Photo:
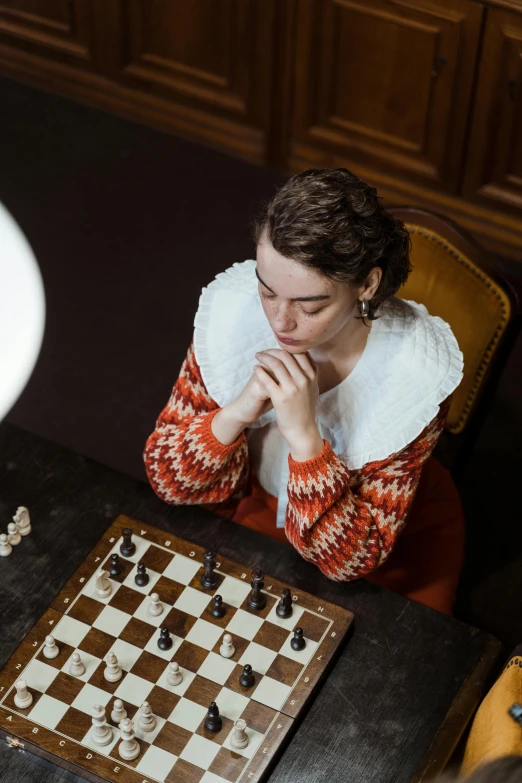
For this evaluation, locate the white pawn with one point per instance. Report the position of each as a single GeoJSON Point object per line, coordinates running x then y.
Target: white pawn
{"type": "Point", "coordinates": [77, 667]}
{"type": "Point", "coordinates": [22, 698]}
{"type": "Point", "coordinates": [102, 584]}
{"type": "Point", "coordinates": [13, 536]}
{"type": "Point", "coordinates": [119, 712]}
{"type": "Point", "coordinates": [22, 520]}
{"type": "Point", "coordinates": [5, 546]}
{"type": "Point", "coordinates": [50, 649]}
{"type": "Point", "coordinates": [174, 676]}
{"type": "Point", "coordinates": [227, 649]}
{"type": "Point", "coordinates": [101, 732]}
{"type": "Point", "coordinates": [112, 671]}
{"type": "Point", "coordinates": [128, 748]}
{"type": "Point", "coordinates": [146, 720]}
{"type": "Point", "coordinates": [155, 605]}
{"type": "Point", "coordinates": [239, 738]}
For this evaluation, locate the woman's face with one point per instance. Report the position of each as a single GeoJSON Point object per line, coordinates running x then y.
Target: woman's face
{"type": "Point", "coordinates": [301, 304]}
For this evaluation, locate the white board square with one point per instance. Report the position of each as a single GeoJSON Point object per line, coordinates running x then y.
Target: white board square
{"type": "Point", "coordinates": [90, 590]}
{"type": "Point", "coordinates": [71, 631]}
{"type": "Point", "coordinates": [134, 689]}
{"type": "Point", "coordinates": [156, 763]}
{"type": "Point", "coordinates": [187, 714]}
{"type": "Point", "coordinates": [289, 622]}
{"type": "Point", "coordinates": [209, 777]}
{"type": "Point", "coordinates": [167, 655]}
{"type": "Point", "coordinates": [142, 614]}
{"type": "Point", "coordinates": [216, 668]}
{"type": "Point", "coordinates": [127, 654]}
{"type": "Point", "coordinates": [233, 591]}
{"type": "Point", "coordinates": [271, 693]}
{"type": "Point", "coordinates": [148, 736]}
{"type": "Point", "coordinates": [111, 620]}
{"type": "Point", "coordinates": [260, 658]}
{"type": "Point", "coordinates": [254, 741]}
{"type": "Point", "coordinates": [48, 711]}
{"type": "Point", "coordinates": [302, 656]}
{"type": "Point", "coordinates": [89, 696]}
{"type": "Point", "coordinates": [103, 749]}
{"type": "Point", "coordinates": [204, 634]}
{"type": "Point", "coordinates": [182, 569]}
{"type": "Point", "coordinates": [180, 689]}
{"type": "Point", "coordinates": [231, 704]}
{"type": "Point", "coordinates": [39, 675]}
{"type": "Point", "coordinates": [244, 624]}
{"type": "Point", "coordinates": [200, 751]}
{"type": "Point", "coordinates": [145, 589]}
{"type": "Point", "coordinates": [192, 602]}
{"type": "Point", "coordinates": [91, 663]}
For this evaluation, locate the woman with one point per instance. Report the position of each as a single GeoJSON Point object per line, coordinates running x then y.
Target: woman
{"type": "Point", "coordinates": [321, 443]}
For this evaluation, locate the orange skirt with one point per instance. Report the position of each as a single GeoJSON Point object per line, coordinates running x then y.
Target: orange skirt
{"type": "Point", "coordinates": [427, 559]}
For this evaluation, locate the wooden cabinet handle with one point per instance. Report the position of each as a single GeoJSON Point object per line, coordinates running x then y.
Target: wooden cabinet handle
{"type": "Point", "coordinates": [440, 62]}
{"type": "Point", "coordinates": [511, 89]}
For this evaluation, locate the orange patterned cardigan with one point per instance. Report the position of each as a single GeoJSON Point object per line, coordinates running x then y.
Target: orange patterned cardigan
{"type": "Point", "coordinates": [344, 521]}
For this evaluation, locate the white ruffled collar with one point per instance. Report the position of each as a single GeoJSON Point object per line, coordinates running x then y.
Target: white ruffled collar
{"type": "Point", "coordinates": [410, 364]}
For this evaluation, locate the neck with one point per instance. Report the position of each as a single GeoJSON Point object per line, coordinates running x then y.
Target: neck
{"type": "Point", "coordinates": [349, 340]}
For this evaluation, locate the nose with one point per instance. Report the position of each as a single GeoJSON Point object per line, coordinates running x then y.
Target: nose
{"type": "Point", "coordinates": [283, 322]}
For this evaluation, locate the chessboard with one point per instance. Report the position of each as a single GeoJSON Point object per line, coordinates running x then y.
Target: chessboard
{"type": "Point", "coordinates": [58, 724]}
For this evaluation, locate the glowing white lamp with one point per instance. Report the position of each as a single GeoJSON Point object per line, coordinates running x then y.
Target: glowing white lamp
{"type": "Point", "coordinates": [22, 311]}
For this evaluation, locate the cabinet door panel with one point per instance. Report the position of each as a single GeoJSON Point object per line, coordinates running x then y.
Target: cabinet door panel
{"type": "Point", "coordinates": [56, 29]}
{"type": "Point", "coordinates": [494, 170]}
{"type": "Point", "coordinates": [386, 83]}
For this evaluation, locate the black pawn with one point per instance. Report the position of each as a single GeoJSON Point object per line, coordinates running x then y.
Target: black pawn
{"type": "Point", "coordinates": [128, 547]}
{"type": "Point", "coordinates": [116, 567]}
{"type": "Point", "coordinates": [142, 577]}
{"type": "Point", "coordinates": [218, 610]}
{"type": "Point", "coordinates": [298, 642]}
{"type": "Point", "coordinates": [213, 720]}
{"type": "Point", "coordinates": [247, 678]}
{"type": "Point", "coordinates": [284, 607]}
{"type": "Point", "coordinates": [209, 579]}
{"type": "Point", "coordinates": [164, 642]}
{"type": "Point", "coordinates": [257, 599]}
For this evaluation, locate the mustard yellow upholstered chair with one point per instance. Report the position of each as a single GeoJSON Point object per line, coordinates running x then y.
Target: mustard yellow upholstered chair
{"type": "Point", "coordinates": [457, 280]}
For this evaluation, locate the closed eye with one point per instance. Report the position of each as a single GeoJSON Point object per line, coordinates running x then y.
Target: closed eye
{"type": "Point", "coordinates": [305, 312]}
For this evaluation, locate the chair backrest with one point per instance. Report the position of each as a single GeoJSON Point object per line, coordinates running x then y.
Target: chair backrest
{"type": "Point", "coordinates": [456, 280]}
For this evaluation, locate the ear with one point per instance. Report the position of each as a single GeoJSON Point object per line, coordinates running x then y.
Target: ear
{"type": "Point", "coordinates": [372, 283]}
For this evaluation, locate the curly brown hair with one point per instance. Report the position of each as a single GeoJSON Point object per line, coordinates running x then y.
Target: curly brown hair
{"type": "Point", "coordinates": [331, 221]}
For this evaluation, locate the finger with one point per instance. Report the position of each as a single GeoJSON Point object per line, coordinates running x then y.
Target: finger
{"type": "Point", "coordinates": [307, 364]}
{"type": "Point", "coordinates": [277, 367]}
{"type": "Point", "coordinates": [268, 384]}
{"type": "Point", "coordinates": [287, 360]}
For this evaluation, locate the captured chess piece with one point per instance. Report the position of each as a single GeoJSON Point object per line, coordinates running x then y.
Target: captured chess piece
{"type": "Point", "coordinates": [102, 584]}
{"type": "Point", "coordinates": [239, 738]}
{"type": "Point", "coordinates": [284, 607]}
{"type": "Point", "coordinates": [247, 679]}
{"type": "Point", "coordinates": [13, 536]}
{"type": "Point", "coordinates": [127, 547]}
{"type": "Point", "coordinates": [218, 610]}
{"type": "Point", "coordinates": [174, 676]}
{"type": "Point", "coordinates": [22, 520]}
{"type": "Point", "coordinates": [77, 667]}
{"type": "Point", "coordinates": [142, 577]}
{"type": "Point", "coordinates": [297, 642]}
{"type": "Point", "coordinates": [227, 648]}
{"type": "Point", "coordinates": [164, 642]}
{"type": "Point", "coordinates": [146, 720]}
{"type": "Point", "coordinates": [101, 732]}
{"type": "Point", "coordinates": [112, 671]}
{"type": "Point", "coordinates": [257, 599]}
{"type": "Point", "coordinates": [155, 607]}
{"type": "Point", "coordinates": [116, 566]}
{"type": "Point", "coordinates": [129, 747]}
{"type": "Point", "coordinates": [213, 722]}
{"type": "Point", "coordinates": [119, 712]}
{"type": "Point", "coordinates": [5, 546]}
{"type": "Point", "coordinates": [22, 698]}
{"type": "Point", "coordinates": [50, 649]}
{"type": "Point", "coordinates": [209, 579]}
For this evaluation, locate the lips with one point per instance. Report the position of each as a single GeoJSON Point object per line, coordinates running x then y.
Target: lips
{"type": "Point", "coordinates": [287, 340]}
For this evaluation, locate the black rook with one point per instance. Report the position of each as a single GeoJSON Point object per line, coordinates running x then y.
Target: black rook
{"type": "Point", "coordinates": [128, 547]}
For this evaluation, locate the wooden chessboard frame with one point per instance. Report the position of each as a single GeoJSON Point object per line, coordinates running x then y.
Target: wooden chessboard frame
{"type": "Point", "coordinates": [20, 732]}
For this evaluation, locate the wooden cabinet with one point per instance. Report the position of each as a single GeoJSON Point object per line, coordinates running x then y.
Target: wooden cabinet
{"type": "Point", "coordinates": [387, 84]}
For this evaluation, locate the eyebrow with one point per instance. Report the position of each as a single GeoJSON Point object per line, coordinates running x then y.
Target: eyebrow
{"type": "Point", "coordinates": [318, 298]}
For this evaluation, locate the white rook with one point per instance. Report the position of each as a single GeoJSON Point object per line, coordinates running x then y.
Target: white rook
{"type": "Point", "coordinates": [22, 698]}
{"type": "Point", "coordinates": [239, 737]}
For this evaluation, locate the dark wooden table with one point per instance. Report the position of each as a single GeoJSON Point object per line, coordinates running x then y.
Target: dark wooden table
{"type": "Point", "coordinates": [392, 708]}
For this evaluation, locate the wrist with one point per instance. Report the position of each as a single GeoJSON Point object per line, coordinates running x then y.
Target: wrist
{"type": "Point", "coordinates": [225, 427]}
{"type": "Point", "coordinates": [307, 446]}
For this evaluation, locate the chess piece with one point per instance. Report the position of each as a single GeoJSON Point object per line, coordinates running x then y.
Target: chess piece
{"type": "Point", "coordinates": [77, 667]}
{"type": "Point", "coordinates": [142, 577]}
{"type": "Point", "coordinates": [239, 738]}
{"type": "Point", "coordinates": [247, 679]}
{"type": "Point", "coordinates": [155, 607]}
{"type": "Point", "coordinates": [227, 649]}
{"type": "Point", "coordinates": [50, 649]}
{"type": "Point", "coordinates": [174, 676]}
{"type": "Point", "coordinates": [257, 599]}
{"type": "Point", "coordinates": [101, 732]}
{"type": "Point", "coordinates": [218, 610]}
{"type": "Point", "coordinates": [22, 521]}
{"type": "Point", "coordinates": [284, 607]}
{"type": "Point", "coordinates": [128, 748]}
{"type": "Point", "coordinates": [112, 672]}
{"type": "Point", "coordinates": [13, 536]}
{"type": "Point", "coordinates": [5, 546]}
{"type": "Point", "coordinates": [116, 566]}
{"type": "Point", "coordinates": [127, 547]}
{"type": "Point", "coordinates": [298, 642]}
{"type": "Point", "coordinates": [164, 642]}
{"type": "Point", "coordinates": [119, 712]}
{"type": "Point", "coordinates": [22, 698]}
{"type": "Point", "coordinates": [146, 720]}
{"type": "Point", "coordinates": [209, 579]}
{"type": "Point", "coordinates": [213, 722]}
{"type": "Point", "coordinates": [102, 584]}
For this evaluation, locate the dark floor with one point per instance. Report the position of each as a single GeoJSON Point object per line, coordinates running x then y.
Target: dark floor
{"type": "Point", "coordinates": [128, 224]}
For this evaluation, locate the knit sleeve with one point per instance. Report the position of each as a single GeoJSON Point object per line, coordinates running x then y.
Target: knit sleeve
{"type": "Point", "coordinates": [347, 522]}
{"type": "Point", "coordinates": [185, 463]}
